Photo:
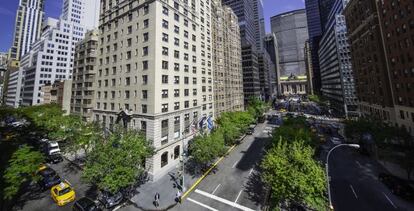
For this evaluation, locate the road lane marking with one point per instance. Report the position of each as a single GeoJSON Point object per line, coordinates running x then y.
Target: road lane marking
{"type": "Point", "coordinates": [201, 204]}
{"type": "Point", "coordinates": [251, 171]}
{"type": "Point", "coordinates": [358, 163]}
{"type": "Point", "coordinates": [353, 191]}
{"type": "Point", "coordinates": [238, 195]}
{"type": "Point", "coordinates": [389, 200]}
{"type": "Point", "coordinates": [215, 189]}
{"type": "Point", "coordinates": [234, 165]}
{"type": "Point", "coordinates": [225, 201]}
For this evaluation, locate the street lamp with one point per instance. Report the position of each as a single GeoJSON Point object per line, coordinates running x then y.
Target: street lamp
{"type": "Point", "coordinates": [356, 146]}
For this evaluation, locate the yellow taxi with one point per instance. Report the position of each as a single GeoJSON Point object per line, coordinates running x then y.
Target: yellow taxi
{"type": "Point", "coordinates": [62, 193]}
{"type": "Point", "coordinates": [282, 110]}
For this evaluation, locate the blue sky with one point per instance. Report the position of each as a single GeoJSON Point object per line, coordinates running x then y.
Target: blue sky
{"type": "Point", "coordinates": [52, 8]}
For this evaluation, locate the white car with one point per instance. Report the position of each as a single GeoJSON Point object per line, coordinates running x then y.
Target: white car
{"type": "Point", "coordinates": [17, 124]}
{"type": "Point", "coordinates": [53, 148]}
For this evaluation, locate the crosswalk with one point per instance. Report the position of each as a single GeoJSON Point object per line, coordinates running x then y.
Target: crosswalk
{"type": "Point", "coordinates": [219, 199]}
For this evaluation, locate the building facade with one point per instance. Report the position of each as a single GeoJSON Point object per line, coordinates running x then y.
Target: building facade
{"type": "Point", "coordinates": [369, 61]}
{"type": "Point", "coordinates": [337, 77]}
{"type": "Point", "coordinates": [309, 67]}
{"type": "Point", "coordinates": [244, 10]}
{"type": "Point", "coordinates": [397, 26]}
{"type": "Point", "coordinates": [58, 93]}
{"type": "Point", "coordinates": [155, 66]}
{"type": "Point", "coordinates": [226, 53]}
{"type": "Point", "coordinates": [83, 76]}
{"type": "Point", "coordinates": [29, 18]}
{"type": "Point", "coordinates": [291, 31]}
{"type": "Point", "coordinates": [52, 55]}
{"type": "Point", "coordinates": [271, 46]}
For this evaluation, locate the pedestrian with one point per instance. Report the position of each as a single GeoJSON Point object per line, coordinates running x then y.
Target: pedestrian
{"type": "Point", "coordinates": [178, 196]}
{"type": "Point", "coordinates": [157, 199]}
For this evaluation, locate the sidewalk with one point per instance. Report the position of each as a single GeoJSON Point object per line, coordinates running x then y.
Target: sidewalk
{"type": "Point", "coordinates": [395, 169]}
{"type": "Point", "coordinates": [166, 187]}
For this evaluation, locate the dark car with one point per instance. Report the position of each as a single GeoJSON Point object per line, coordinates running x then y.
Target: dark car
{"type": "Point", "coordinates": [85, 204]}
{"type": "Point", "coordinates": [54, 158]}
{"type": "Point", "coordinates": [109, 200]}
{"type": "Point", "coordinates": [49, 178]}
{"type": "Point", "coordinates": [397, 186]}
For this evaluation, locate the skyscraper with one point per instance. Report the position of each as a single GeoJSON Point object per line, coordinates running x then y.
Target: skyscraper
{"type": "Point", "coordinates": [337, 77]}
{"type": "Point", "coordinates": [155, 73]}
{"type": "Point", "coordinates": [29, 18]}
{"type": "Point", "coordinates": [291, 31]}
{"type": "Point", "coordinates": [244, 9]}
{"type": "Point", "coordinates": [259, 31]}
{"type": "Point", "coordinates": [272, 48]}
{"type": "Point", "coordinates": [226, 53]}
{"type": "Point", "coordinates": [51, 56]}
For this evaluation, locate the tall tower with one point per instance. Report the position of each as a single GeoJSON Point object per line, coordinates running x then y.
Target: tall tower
{"type": "Point", "coordinates": [27, 30]}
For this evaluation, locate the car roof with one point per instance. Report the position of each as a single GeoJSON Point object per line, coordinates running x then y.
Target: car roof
{"type": "Point", "coordinates": [85, 202]}
{"type": "Point", "coordinates": [62, 186]}
{"type": "Point", "coordinates": [47, 171]}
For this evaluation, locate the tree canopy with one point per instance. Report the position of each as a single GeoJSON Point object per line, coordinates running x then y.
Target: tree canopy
{"type": "Point", "coordinates": [22, 168]}
{"type": "Point", "coordinates": [117, 162]}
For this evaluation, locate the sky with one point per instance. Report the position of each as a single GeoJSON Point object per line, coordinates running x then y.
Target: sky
{"type": "Point", "coordinates": [8, 10]}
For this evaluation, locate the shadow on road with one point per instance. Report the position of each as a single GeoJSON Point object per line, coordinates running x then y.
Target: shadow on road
{"type": "Point", "coordinates": [254, 187]}
{"type": "Point", "coordinates": [253, 155]}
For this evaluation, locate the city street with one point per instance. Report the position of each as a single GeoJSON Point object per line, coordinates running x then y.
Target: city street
{"type": "Point", "coordinates": [38, 200]}
{"type": "Point", "coordinates": [236, 184]}
{"type": "Point", "coordinates": [355, 184]}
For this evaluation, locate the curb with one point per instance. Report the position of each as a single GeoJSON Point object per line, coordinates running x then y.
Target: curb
{"type": "Point", "coordinates": [159, 209]}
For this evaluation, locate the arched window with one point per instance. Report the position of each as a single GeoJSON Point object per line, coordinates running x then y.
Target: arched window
{"type": "Point", "coordinates": [164, 159]}
{"type": "Point", "coordinates": [176, 152]}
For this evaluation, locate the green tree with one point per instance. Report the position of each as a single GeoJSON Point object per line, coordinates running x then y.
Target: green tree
{"type": "Point", "coordinates": [117, 162]}
{"type": "Point", "coordinates": [204, 149]}
{"type": "Point", "coordinates": [85, 137]}
{"type": "Point", "coordinates": [293, 175]}
{"type": "Point", "coordinates": [21, 169]}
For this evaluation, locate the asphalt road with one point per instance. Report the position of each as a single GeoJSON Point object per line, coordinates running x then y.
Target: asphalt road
{"type": "Point", "coordinates": [355, 184]}
{"type": "Point", "coordinates": [37, 200]}
{"type": "Point", "coordinates": [236, 184]}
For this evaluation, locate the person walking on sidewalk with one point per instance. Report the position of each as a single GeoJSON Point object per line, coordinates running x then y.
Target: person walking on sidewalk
{"type": "Point", "coordinates": [178, 196]}
{"type": "Point", "coordinates": [157, 199]}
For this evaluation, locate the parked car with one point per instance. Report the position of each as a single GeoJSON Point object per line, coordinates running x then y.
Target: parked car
{"type": "Point", "coordinates": [85, 204]}
{"type": "Point", "coordinates": [109, 200]}
{"type": "Point", "coordinates": [397, 186]}
{"type": "Point", "coordinates": [49, 178]}
{"type": "Point", "coordinates": [54, 158]}
{"type": "Point", "coordinates": [50, 147]}
{"type": "Point", "coordinates": [250, 130]}
{"type": "Point", "coordinates": [62, 193]}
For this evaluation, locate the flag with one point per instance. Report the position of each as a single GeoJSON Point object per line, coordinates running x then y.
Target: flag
{"type": "Point", "coordinates": [210, 123]}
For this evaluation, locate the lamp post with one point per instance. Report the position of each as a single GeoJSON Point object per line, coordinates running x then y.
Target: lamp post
{"type": "Point", "coordinates": [356, 146]}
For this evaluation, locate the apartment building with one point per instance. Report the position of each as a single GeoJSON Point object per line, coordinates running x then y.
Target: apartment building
{"type": "Point", "coordinates": [397, 27]}
{"type": "Point", "coordinates": [155, 66]}
{"type": "Point", "coordinates": [58, 93]}
{"type": "Point", "coordinates": [228, 74]}
{"type": "Point", "coordinates": [369, 60]}
{"type": "Point", "coordinates": [83, 76]}
{"type": "Point", "coordinates": [52, 55]}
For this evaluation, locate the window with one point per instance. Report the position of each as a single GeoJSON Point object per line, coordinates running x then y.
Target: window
{"type": "Point", "coordinates": [144, 108]}
{"type": "Point", "coordinates": [127, 81]}
{"type": "Point", "coordinates": [165, 79]}
{"type": "Point", "coordinates": [177, 29]}
{"type": "Point", "coordinates": [164, 37]}
{"type": "Point", "coordinates": [129, 29]}
{"type": "Point", "coordinates": [186, 104]}
{"type": "Point", "coordinates": [176, 79]}
{"type": "Point", "coordinates": [177, 54]}
{"type": "Point", "coordinates": [186, 34]}
{"type": "Point", "coordinates": [195, 92]}
{"type": "Point", "coordinates": [165, 65]}
{"type": "Point", "coordinates": [164, 93]}
{"type": "Point", "coordinates": [177, 94]}
{"type": "Point", "coordinates": [186, 56]}
{"type": "Point", "coordinates": [145, 79]}
{"type": "Point", "coordinates": [194, 80]}
{"type": "Point", "coordinates": [165, 24]}
{"type": "Point", "coordinates": [146, 23]}
{"type": "Point", "coordinates": [145, 51]}
{"type": "Point", "coordinates": [164, 159]}
{"type": "Point", "coordinates": [144, 94]}
{"type": "Point", "coordinates": [146, 9]}
{"type": "Point", "coordinates": [145, 65]}
{"type": "Point", "coordinates": [165, 51]}
{"type": "Point", "coordinates": [176, 17]}
{"type": "Point", "coordinates": [176, 106]}
{"type": "Point", "coordinates": [185, 80]}
{"type": "Point", "coordinates": [176, 67]}
{"type": "Point", "coordinates": [127, 94]}
{"type": "Point", "coordinates": [129, 42]}
{"type": "Point", "coordinates": [165, 10]}
{"type": "Point", "coordinates": [186, 45]}
{"type": "Point", "coordinates": [144, 127]}
{"type": "Point", "coordinates": [176, 152]}
{"type": "Point", "coordinates": [176, 41]}
{"type": "Point", "coordinates": [164, 108]}
{"type": "Point", "coordinates": [146, 36]}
